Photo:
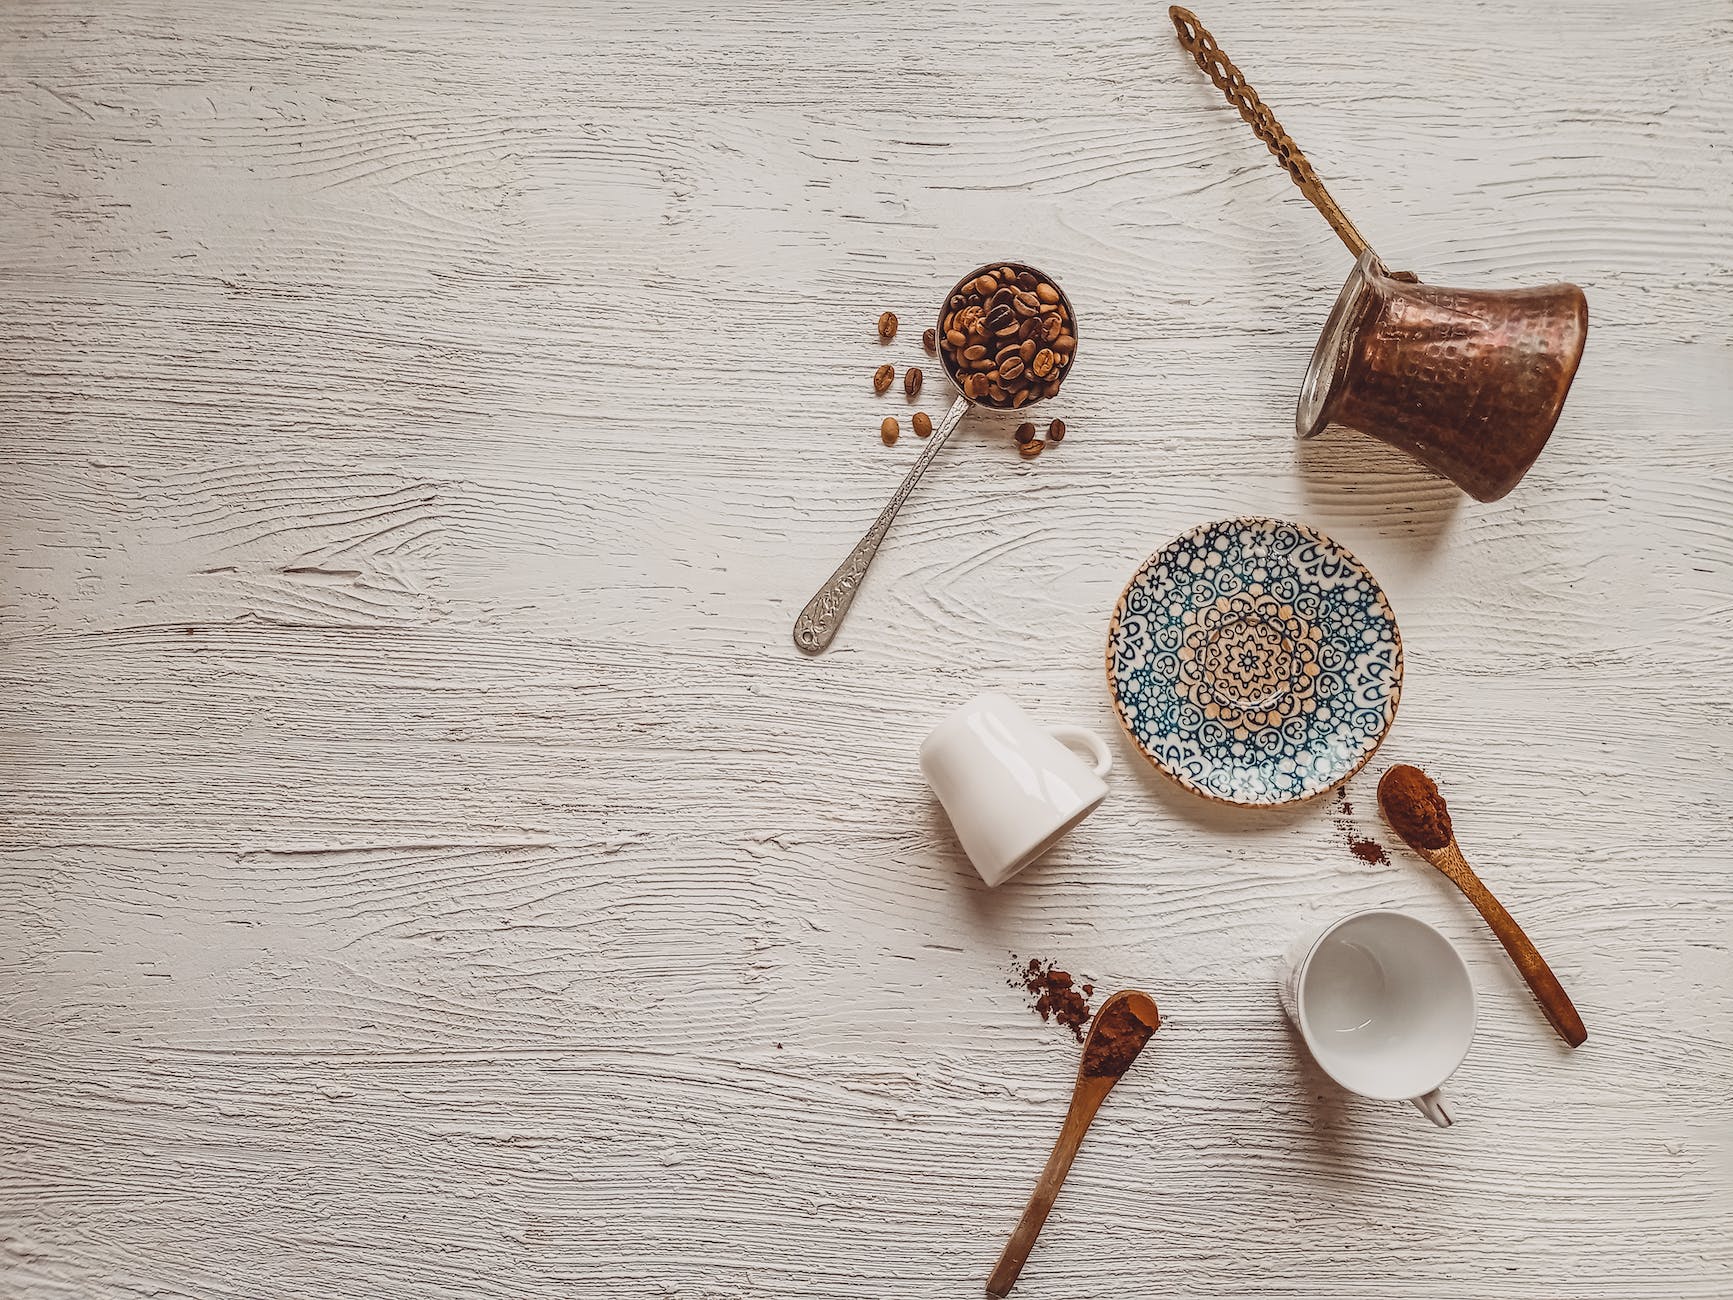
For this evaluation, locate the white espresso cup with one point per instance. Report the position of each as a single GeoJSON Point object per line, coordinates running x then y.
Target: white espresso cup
{"type": "Point", "coordinates": [1385, 1005]}
{"type": "Point", "coordinates": [1010, 788]}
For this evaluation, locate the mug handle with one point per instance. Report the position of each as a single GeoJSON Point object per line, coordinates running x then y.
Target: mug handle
{"type": "Point", "coordinates": [1096, 746]}
{"type": "Point", "coordinates": [1432, 1106]}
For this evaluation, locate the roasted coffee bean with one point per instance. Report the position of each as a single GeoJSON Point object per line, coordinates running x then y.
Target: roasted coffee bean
{"type": "Point", "coordinates": [1029, 329]}
{"type": "Point", "coordinates": [930, 341]}
{"type": "Point", "coordinates": [955, 338]}
{"type": "Point", "coordinates": [1000, 316]}
{"type": "Point", "coordinates": [883, 377]}
{"type": "Point", "coordinates": [1027, 280]}
{"type": "Point", "coordinates": [1051, 389]}
{"type": "Point", "coordinates": [1009, 370]}
{"type": "Point", "coordinates": [1009, 350]}
{"type": "Point", "coordinates": [1025, 432]}
{"type": "Point", "coordinates": [924, 424]}
{"type": "Point", "coordinates": [975, 387]}
{"type": "Point", "coordinates": [997, 393]}
{"type": "Point", "coordinates": [1006, 275]}
{"type": "Point", "coordinates": [888, 429]}
{"type": "Point", "coordinates": [1046, 293]}
{"type": "Point", "coordinates": [1056, 431]}
{"type": "Point", "coordinates": [888, 326]}
{"type": "Point", "coordinates": [1027, 349]}
{"type": "Point", "coordinates": [1026, 304]}
{"type": "Point", "coordinates": [974, 352]}
{"type": "Point", "coordinates": [1043, 363]}
{"type": "Point", "coordinates": [1051, 327]}
{"type": "Point", "coordinates": [985, 285]}
{"type": "Point", "coordinates": [1031, 449]}
{"type": "Point", "coordinates": [912, 381]}
{"type": "Point", "coordinates": [1065, 345]}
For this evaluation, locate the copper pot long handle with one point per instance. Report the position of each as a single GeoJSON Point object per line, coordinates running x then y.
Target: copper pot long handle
{"type": "Point", "coordinates": [1197, 41]}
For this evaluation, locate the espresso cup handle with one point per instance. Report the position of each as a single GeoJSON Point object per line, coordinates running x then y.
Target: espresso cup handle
{"type": "Point", "coordinates": [1096, 746]}
{"type": "Point", "coordinates": [1432, 1106]}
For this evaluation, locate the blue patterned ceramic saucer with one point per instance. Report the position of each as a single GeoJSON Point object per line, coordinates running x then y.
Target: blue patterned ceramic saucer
{"type": "Point", "coordinates": [1255, 662]}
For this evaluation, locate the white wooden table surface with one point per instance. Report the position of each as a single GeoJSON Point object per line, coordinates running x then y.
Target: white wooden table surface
{"type": "Point", "coordinates": [430, 870]}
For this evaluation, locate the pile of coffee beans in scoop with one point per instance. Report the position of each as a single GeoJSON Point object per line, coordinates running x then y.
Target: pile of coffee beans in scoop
{"type": "Point", "coordinates": [1007, 337]}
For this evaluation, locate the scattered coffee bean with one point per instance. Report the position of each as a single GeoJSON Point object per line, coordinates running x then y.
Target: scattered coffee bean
{"type": "Point", "coordinates": [888, 429]}
{"type": "Point", "coordinates": [1025, 432]}
{"type": "Point", "coordinates": [923, 424]}
{"type": "Point", "coordinates": [1028, 449]}
{"type": "Point", "coordinates": [883, 377]}
{"type": "Point", "coordinates": [912, 381]}
{"type": "Point", "coordinates": [888, 326]}
{"type": "Point", "coordinates": [1056, 431]}
{"type": "Point", "coordinates": [1007, 337]}
{"type": "Point", "coordinates": [930, 341]}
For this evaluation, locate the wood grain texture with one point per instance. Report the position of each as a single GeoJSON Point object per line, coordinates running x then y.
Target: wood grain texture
{"type": "Point", "coordinates": [427, 867]}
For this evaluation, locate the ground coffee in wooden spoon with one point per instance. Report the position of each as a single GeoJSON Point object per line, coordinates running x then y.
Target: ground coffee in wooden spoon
{"type": "Point", "coordinates": [1411, 801]}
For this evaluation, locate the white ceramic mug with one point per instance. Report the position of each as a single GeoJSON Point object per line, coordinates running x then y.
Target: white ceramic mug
{"type": "Point", "coordinates": [1385, 1005]}
{"type": "Point", "coordinates": [1010, 788]}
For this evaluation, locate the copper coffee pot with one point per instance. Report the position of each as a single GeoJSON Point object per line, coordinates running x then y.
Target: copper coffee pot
{"type": "Point", "coordinates": [1470, 382]}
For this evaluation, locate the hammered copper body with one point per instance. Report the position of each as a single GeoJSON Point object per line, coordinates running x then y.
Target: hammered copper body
{"type": "Point", "coordinates": [1467, 381]}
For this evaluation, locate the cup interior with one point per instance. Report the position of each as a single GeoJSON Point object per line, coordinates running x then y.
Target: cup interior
{"type": "Point", "coordinates": [1386, 1005]}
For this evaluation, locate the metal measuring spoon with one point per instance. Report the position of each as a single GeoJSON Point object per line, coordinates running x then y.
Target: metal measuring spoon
{"type": "Point", "coordinates": [817, 625]}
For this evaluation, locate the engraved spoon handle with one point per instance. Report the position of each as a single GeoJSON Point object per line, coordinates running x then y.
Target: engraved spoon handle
{"type": "Point", "coordinates": [816, 627]}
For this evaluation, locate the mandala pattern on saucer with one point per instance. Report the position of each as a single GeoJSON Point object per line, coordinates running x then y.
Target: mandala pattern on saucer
{"type": "Point", "coordinates": [1255, 661]}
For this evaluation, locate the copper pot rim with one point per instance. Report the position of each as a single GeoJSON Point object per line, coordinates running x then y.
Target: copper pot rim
{"type": "Point", "coordinates": [1320, 390]}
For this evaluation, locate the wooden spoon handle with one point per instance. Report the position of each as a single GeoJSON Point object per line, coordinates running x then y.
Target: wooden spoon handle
{"type": "Point", "coordinates": [1554, 1002]}
{"type": "Point", "coordinates": [1016, 1252]}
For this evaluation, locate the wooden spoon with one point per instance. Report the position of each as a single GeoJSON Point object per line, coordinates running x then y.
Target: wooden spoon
{"type": "Point", "coordinates": [1414, 808]}
{"type": "Point", "coordinates": [1120, 1029]}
